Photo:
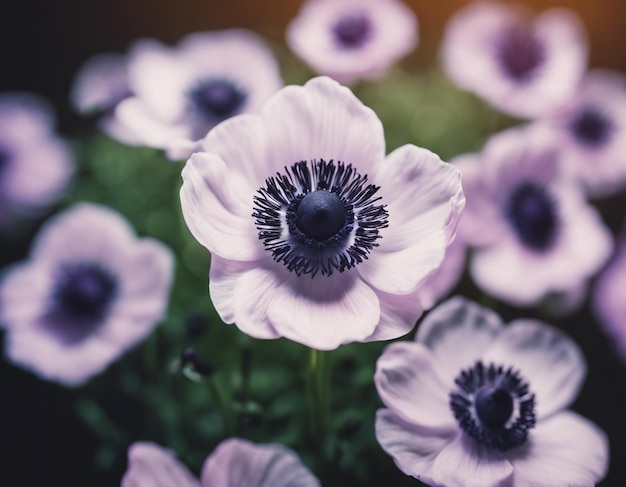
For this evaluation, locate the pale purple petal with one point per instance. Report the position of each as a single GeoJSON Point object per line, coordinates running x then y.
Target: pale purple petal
{"type": "Point", "coordinates": [608, 303]}
{"type": "Point", "coordinates": [213, 202]}
{"type": "Point", "coordinates": [458, 332]}
{"type": "Point", "coordinates": [424, 199]}
{"type": "Point", "coordinates": [391, 27]}
{"type": "Point", "coordinates": [240, 463]}
{"type": "Point", "coordinates": [316, 312]}
{"type": "Point", "coordinates": [100, 84]}
{"type": "Point", "coordinates": [409, 383]}
{"type": "Point", "coordinates": [444, 279]}
{"type": "Point", "coordinates": [463, 462]}
{"type": "Point", "coordinates": [413, 448]}
{"type": "Point", "coordinates": [24, 292]}
{"type": "Point", "coordinates": [398, 314]}
{"type": "Point", "coordinates": [150, 465]}
{"type": "Point", "coordinates": [548, 360]}
{"type": "Point", "coordinates": [321, 120]}
{"type": "Point", "coordinates": [565, 449]}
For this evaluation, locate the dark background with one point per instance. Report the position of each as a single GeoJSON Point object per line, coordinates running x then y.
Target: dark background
{"type": "Point", "coordinates": [42, 44]}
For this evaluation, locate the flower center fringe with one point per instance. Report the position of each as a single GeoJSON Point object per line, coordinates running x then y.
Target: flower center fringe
{"type": "Point", "coordinates": [533, 214]}
{"type": "Point", "coordinates": [519, 52]}
{"type": "Point", "coordinates": [84, 292]}
{"type": "Point", "coordinates": [592, 127]}
{"type": "Point", "coordinates": [217, 99]}
{"type": "Point", "coordinates": [493, 405]}
{"type": "Point", "coordinates": [352, 31]}
{"type": "Point", "coordinates": [319, 217]}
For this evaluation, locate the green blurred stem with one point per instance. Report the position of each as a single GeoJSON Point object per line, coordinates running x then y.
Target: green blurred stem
{"type": "Point", "coordinates": [319, 391]}
{"type": "Point", "coordinates": [225, 412]}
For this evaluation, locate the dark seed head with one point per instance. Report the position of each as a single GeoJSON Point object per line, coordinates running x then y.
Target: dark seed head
{"type": "Point", "coordinates": [352, 31]}
{"type": "Point", "coordinates": [592, 127]}
{"type": "Point", "coordinates": [519, 53]}
{"type": "Point", "coordinates": [321, 214]}
{"type": "Point", "coordinates": [217, 99]}
{"type": "Point", "coordinates": [494, 406]}
{"type": "Point", "coordinates": [533, 215]}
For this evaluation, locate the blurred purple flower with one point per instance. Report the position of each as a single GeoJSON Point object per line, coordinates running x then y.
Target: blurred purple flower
{"type": "Point", "coordinates": [340, 237]}
{"type": "Point", "coordinates": [475, 402]}
{"type": "Point", "coordinates": [35, 164]}
{"type": "Point", "coordinates": [234, 463]}
{"type": "Point", "coordinates": [592, 132]}
{"type": "Point", "coordinates": [99, 86]}
{"type": "Point", "coordinates": [533, 230]}
{"type": "Point", "coordinates": [353, 39]}
{"type": "Point", "coordinates": [608, 303]}
{"type": "Point", "coordinates": [522, 67]}
{"type": "Point", "coordinates": [89, 291]}
{"type": "Point", "coordinates": [181, 93]}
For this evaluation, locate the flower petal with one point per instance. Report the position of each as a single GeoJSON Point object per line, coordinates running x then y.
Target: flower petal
{"type": "Point", "coordinates": [546, 358]}
{"type": "Point", "coordinates": [408, 383]}
{"type": "Point", "coordinates": [458, 332]}
{"type": "Point", "coordinates": [565, 449]}
{"type": "Point", "coordinates": [424, 199]}
{"type": "Point", "coordinates": [241, 293]}
{"type": "Point", "coordinates": [398, 315]}
{"type": "Point", "coordinates": [326, 311]}
{"type": "Point", "coordinates": [240, 463]}
{"type": "Point", "coordinates": [322, 120]}
{"type": "Point", "coordinates": [413, 448]}
{"type": "Point", "coordinates": [213, 202]}
{"type": "Point", "coordinates": [150, 465]}
{"type": "Point", "coordinates": [463, 462]}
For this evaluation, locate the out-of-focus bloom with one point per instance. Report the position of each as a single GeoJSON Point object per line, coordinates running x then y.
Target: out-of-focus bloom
{"type": "Point", "coordinates": [340, 238]}
{"type": "Point", "coordinates": [608, 303]}
{"type": "Point", "coordinates": [353, 39]}
{"type": "Point", "coordinates": [180, 93]}
{"type": "Point", "coordinates": [592, 132]}
{"type": "Point", "coordinates": [522, 67]}
{"type": "Point", "coordinates": [99, 86]}
{"type": "Point", "coordinates": [475, 402]}
{"type": "Point", "coordinates": [35, 164]}
{"type": "Point", "coordinates": [534, 231]}
{"type": "Point", "coordinates": [443, 280]}
{"type": "Point", "coordinates": [90, 291]}
{"type": "Point", "coordinates": [234, 463]}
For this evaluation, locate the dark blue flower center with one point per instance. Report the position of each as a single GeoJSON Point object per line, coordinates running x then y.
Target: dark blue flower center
{"type": "Point", "coordinates": [352, 31]}
{"type": "Point", "coordinates": [217, 99]}
{"type": "Point", "coordinates": [519, 52]}
{"type": "Point", "coordinates": [493, 405]}
{"type": "Point", "coordinates": [84, 292]}
{"type": "Point", "coordinates": [5, 157]}
{"type": "Point", "coordinates": [319, 217]}
{"type": "Point", "coordinates": [320, 214]}
{"type": "Point", "coordinates": [533, 215]}
{"type": "Point", "coordinates": [592, 127]}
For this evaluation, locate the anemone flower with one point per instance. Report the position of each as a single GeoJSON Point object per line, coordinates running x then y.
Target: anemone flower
{"type": "Point", "coordinates": [99, 86]}
{"type": "Point", "coordinates": [608, 303]}
{"type": "Point", "coordinates": [35, 164]}
{"type": "Point", "coordinates": [533, 231]}
{"type": "Point", "coordinates": [89, 291]}
{"type": "Point", "coordinates": [314, 234]}
{"type": "Point", "coordinates": [353, 39]}
{"type": "Point", "coordinates": [181, 93]}
{"type": "Point", "coordinates": [234, 463]}
{"type": "Point", "coordinates": [591, 128]}
{"type": "Point", "coordinates": [524, 67]}
{"type": "Point", "coordinates": [474, 402]}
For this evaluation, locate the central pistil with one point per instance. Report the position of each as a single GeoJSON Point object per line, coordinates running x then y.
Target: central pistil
{"type": "Point", "coordinates": [320, 215]}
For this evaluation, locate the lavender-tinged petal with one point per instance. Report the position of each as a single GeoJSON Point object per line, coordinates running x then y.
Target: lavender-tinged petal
{"type": "Point", "coordinates": [150, 465]}
{"type": "Point", "coordinates": [565, 449]}
{"type": "Point", "coordinates": [240, 463]}
{"type": "Point", "coordinates": [409, 384]}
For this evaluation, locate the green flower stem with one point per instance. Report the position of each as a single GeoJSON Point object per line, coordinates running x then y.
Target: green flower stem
{"type": "Point", "coordinates": [225, 412]}
{"type": "Point", "coordinates": [319, 392]}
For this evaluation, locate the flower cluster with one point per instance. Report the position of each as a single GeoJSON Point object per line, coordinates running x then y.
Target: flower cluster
{"type": "Point", "coordinates": [328, 224]}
